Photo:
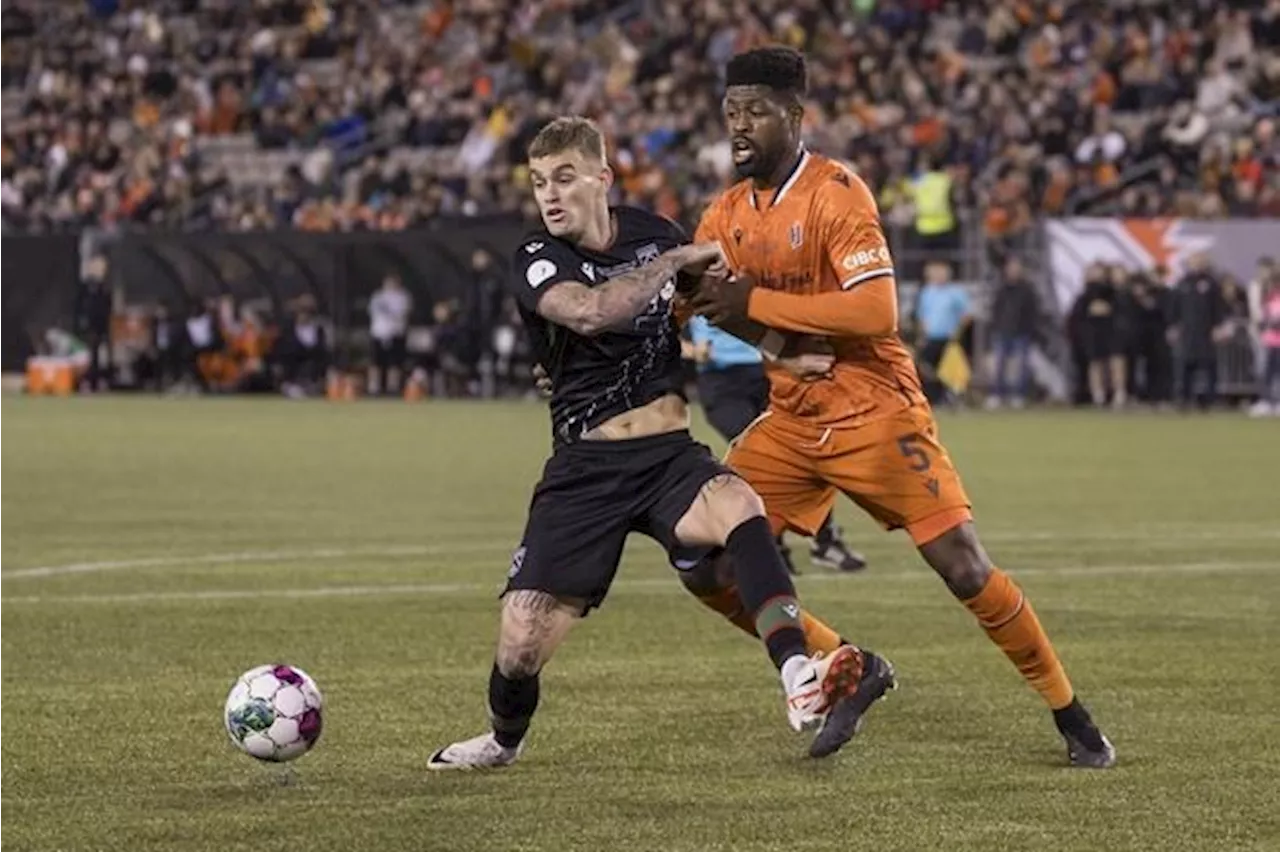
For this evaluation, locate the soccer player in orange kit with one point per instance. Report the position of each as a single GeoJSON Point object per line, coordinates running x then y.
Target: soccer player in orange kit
{"type": "Point", "coordinates": [808, 265]}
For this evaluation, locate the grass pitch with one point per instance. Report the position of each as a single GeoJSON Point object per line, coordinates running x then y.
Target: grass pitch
{"type": "Point", "coordinates": [154, 549]}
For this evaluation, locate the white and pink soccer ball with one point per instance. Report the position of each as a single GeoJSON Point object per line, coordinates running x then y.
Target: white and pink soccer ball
{"type": "Point", "coordinates": [274, 712]}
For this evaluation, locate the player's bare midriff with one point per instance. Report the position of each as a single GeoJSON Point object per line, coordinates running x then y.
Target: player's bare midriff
{"type": "Point", "coordinates": [665, 414]}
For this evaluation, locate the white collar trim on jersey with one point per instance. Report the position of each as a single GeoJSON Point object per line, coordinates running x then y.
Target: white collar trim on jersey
{"type": "Point", "coordinates": [795, 175]}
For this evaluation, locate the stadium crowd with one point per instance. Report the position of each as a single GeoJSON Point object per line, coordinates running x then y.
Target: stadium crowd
{"type": "Point", "coordinates": [388, 114]}
{"type": "Point", "coordinates": [113, 108]}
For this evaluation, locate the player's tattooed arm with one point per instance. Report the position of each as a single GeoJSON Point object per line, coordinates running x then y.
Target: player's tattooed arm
{"type": "Point", "coordinates": [594, 310]}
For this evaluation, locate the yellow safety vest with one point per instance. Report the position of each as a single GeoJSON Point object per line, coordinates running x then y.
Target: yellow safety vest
{"type": "Point", "coordinates": [932, 194]}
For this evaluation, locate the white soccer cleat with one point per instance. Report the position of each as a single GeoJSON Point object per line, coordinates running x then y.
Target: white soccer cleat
{"type": "Point", "coordinates": [802, 681]}
{"type": "Point", "coordinates": [482, 752]}
{"type": "Point", "coordinates": [815, 684]}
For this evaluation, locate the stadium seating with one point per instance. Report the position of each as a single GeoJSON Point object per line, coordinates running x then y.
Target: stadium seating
{"type": "Point", "coordinates": [380, 114]}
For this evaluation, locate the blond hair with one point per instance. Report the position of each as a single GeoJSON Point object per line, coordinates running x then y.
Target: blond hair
{"type": "Point", "coordinates": [568, 133]}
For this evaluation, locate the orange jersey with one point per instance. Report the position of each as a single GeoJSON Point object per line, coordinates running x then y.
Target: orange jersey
{"type": "Point", "coordinates": [820, 234]}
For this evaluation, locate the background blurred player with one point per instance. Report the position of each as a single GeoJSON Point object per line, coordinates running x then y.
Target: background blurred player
{"type": "Point", "coordinates": [734, 391]}
{"type": "Point", "coordinates": [596, 291]}
{"type": "Point", "coordinates": [803, 236]}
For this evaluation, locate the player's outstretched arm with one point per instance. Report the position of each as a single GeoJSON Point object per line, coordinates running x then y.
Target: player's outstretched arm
{"type": "Point", "coordinates": [594, 310]}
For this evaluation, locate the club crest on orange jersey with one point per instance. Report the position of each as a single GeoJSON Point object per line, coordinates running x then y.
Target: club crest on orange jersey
{"type": "Point", "coordinates": [797, 235]}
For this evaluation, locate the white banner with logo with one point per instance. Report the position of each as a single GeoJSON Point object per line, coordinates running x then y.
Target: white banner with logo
{"type": "Point", "coordinates": [1234, 246]}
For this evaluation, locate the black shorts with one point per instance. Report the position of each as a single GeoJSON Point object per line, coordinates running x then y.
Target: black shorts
{"type": "Point", "coordinates": [390, 353]}
{"type": "Point", "coordinates": [592, 495]}
{"type": "Point", "coordinates": [1100, 341]}
{"type": "Point", "coordinates": [733, 397]}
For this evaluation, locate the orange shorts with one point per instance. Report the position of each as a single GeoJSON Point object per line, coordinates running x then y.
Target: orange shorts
{"type": "Point", "coordinates": [894, 468]}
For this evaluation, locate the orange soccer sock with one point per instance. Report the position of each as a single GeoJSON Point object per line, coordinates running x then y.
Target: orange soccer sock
{"type": "Point", "coordinates": [1007, 616]}
{"type": "Point", "coordinates": [725, 600]}
{"type": "Point", "coordinates": [817, 635]}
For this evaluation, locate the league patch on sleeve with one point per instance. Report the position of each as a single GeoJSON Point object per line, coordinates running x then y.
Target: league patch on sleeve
{"type": "Point", "coordinates": [539, 271]}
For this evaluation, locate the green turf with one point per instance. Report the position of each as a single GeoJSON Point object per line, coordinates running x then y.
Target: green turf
{"type": "Point", "coordinates": [365, 543]}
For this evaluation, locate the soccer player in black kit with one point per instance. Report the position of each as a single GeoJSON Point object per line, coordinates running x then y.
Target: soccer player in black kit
{"type": "Point", "coordinates": [596, 290]}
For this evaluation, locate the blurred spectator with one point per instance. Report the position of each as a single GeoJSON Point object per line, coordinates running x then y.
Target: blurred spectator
{"type": "Point", "coordinates": [480, 318]}
{"type": "Point", "coordinates": [303, 350]}
{"type": "Point", "coordinates": [93, 322]}
{"type": "Point", "coordinates": [136, 114]}
{"type": "Point", "coordinates": [1235, 300]}
{"type": "Point", "coordinates": [932, 194]}
{"type": "Point", "coordinates": [1098, 339]}
{"type": "Point", "coordinates": [59, 343]}
{"type": "Point", "coordinates": [203, 341]}
{"type": "Point", "coordinates": [1150, 362]}
{"type": "Point", "coordinates": [511, 350]}
{"type": "Point", "coordinates": [1269, 403]}
{"type": "Point", "coordinates": [1014, 313]}
{"type": "Point", "coordinates": [450, 347]}
{"type": "Point", "coordinates": [1196, 326]}
{"type": "Point", "coordinates": [241, 366]}
{"type": "Point", "coordinates": [389, 312]}
{"type": "Point", "coordinates": [1124, 328]}
{"type": "Point", "coordinates": [161, 365]}
{"type": "Point", "coordinates": [1267, 272]}
{"type": "Point", "coordinates": [942, 311]}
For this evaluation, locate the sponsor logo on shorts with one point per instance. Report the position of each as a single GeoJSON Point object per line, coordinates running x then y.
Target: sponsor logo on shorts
{"type": "Point", "coordinates": [792, 610]}
{"type": "Point", "coordinates": [517, 562]}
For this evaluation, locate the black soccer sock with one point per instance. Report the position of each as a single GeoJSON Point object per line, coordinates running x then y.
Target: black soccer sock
{"type": "Point", "coordinates": [1075, 720]}
{"type": "Point", "coordinates": [826, 534]}
{"type": "Point", "coordinates": [766, 589]}
{"type": "Point", "coordinates": [511, 706]}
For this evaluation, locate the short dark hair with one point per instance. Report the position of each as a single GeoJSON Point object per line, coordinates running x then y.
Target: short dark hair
{"type": "Point", "coordinates": [779, 68]}
{"type": "Point", "coordinates": [569, 132]}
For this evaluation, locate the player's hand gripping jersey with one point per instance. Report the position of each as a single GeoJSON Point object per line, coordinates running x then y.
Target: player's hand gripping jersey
{"type": "Point", "coordinates": [822, 267]}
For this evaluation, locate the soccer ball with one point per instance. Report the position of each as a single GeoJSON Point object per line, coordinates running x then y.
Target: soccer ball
{"type": "Point", "coordinates": [273, 712]}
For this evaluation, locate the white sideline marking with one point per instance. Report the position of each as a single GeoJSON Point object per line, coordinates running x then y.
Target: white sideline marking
{"type": "Point", "coordinates": [407, 589]}
{"type": "Point", "coordinates": [509, 544]}
{"type": "Point", "coordinates": [254, 556]}
{"type": "Point", "coordinates": [1244, 533]}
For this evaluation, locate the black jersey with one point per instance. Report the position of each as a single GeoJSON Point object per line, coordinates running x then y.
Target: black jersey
{"type": "Point", "coordinates": [596, 378]}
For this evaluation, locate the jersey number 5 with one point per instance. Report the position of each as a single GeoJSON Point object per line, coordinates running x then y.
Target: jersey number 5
{"type": "Point", "coordinates": [910, 448]}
